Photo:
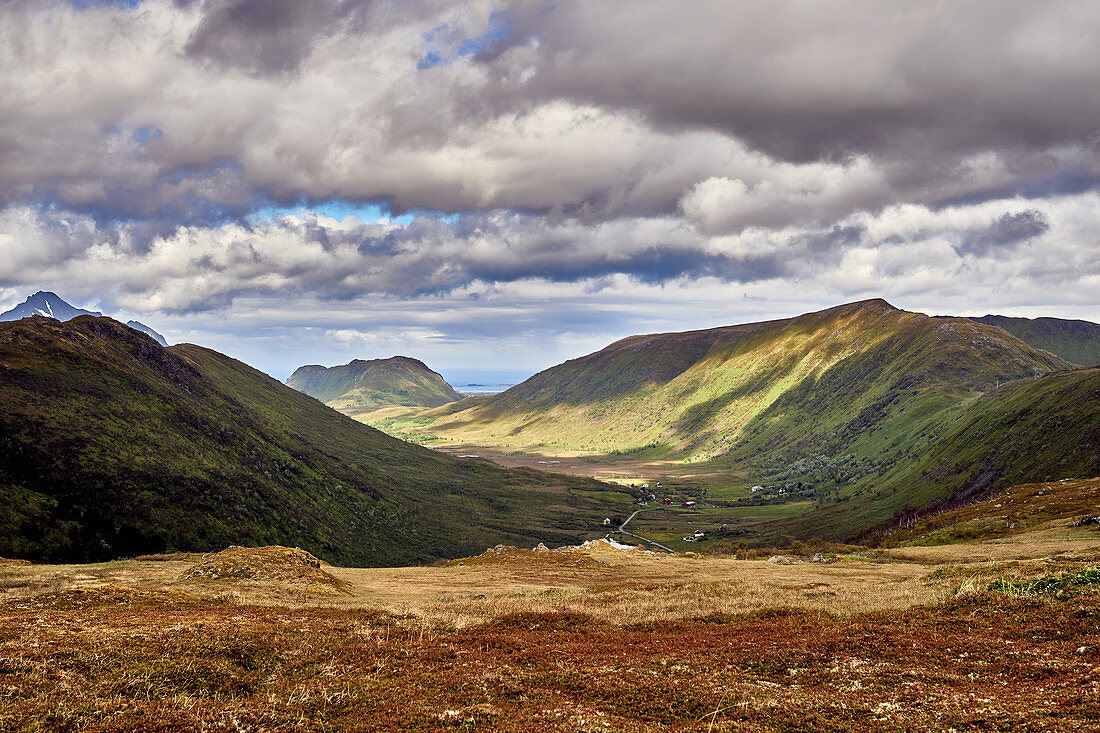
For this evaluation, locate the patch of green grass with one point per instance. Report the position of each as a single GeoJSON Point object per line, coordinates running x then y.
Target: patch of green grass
{"type": "Point", "coordinates": [616, 497]}
{"type": "Point", "coordinates": [769, 510]}
{"type": "Point", "coordinates": [1062, 586]}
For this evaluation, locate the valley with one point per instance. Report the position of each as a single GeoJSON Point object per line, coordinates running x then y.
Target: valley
{"type": "Point", "coordinates": [549, 366]}
{"type": "Point", "coordinates": [843, 419]}
{"type": "Point", "coordinates": [855, 519]}
{"type": "Point", "coordinates": [591, 638]}
{"type": "Point", "coordinates": [113, 446]}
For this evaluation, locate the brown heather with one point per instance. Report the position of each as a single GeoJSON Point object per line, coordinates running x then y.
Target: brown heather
{"type": "Point", "coordinates": [886, 640]}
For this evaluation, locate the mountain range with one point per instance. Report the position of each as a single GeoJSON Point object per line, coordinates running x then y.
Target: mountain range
{"type": "Point", "coordinates": [873, 407]}
{"type": "Point", "coordinates": [838, 378]}
{"type": "Point", "coordinates": [50, 305]}
{"type": "Point", "coordinates": [1075, 341]}
{"type": "Point", "coordinates": [111, 446]}
{"type": "Point", "coordinates": [362, 386]}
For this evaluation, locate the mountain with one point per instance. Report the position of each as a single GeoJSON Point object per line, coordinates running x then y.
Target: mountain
{"type": "Point", "coordinates": [863, 377]}
{"type": "Point", "coordinates": [362, 385]}
{"type": "Point", "coordinates": [1026, 431]}
{"type": "Point", "coordinates": [876, 410]}
{"type": "Point", "coordinates": [138, 326]}
{"type": "Point", "coordinates": [50, 305]}
{"type": "Point", "coordinates": [45, 303]}
{"type": "Point", "coordinates": [111, 445]}
{"type": "Point", "coordinates": [1075, 341]}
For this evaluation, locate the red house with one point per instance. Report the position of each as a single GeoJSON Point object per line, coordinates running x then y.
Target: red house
{"type": "Point", "coordinates": [688, 504]}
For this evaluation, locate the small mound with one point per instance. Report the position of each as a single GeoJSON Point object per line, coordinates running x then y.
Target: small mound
{"type": "Point", "coordinates": [100, 595]}
{"type": "Point", "coordinates": [539, 557]}
{"type": "Point", "coordinates": [266, 565]}
{"type": "Point", "coordinates": [9, 561]}
{"type": "Point", "coordinates": [606, 545]}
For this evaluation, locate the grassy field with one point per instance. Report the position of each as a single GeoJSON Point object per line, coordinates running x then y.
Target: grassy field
{"type": "Point", "coordinates": [994, 634]}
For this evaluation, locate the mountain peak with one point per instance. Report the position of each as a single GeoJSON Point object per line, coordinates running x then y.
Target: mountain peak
{"type": "Point", "coordinates": [362, 385]}
{"type": "Point", "coordinates": [48, 304]}
{"type": "Point", "coordinates": [870, 304]}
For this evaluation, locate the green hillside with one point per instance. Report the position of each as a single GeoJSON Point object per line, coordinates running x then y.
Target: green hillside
{"type": "Point", "coordinates": [111, 445]}
{"type": "Point", "coordinates": [1075, 341]}
{"type": "Point", "coordinates": [866, 408]}
{"type": "Point", "coordinates": [865, 378]}
{"type": "Point", "coordinates": [362, 385]}
{"type": "Point", "coordinates": [1023, 432]}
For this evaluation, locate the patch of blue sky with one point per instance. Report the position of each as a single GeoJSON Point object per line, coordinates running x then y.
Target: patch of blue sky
{"type": "Point", "coordinates": [139, 135]}
{"type": "Point", "coordinates": [368, 213]}
{"type": "Point", "coordinates": [145, 134]}
{"type": "Point", "coordinates": [85, 4]}
{"type": "Point", "coordinates": [441, 51]}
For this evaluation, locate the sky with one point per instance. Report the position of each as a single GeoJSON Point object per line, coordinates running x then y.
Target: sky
{"type": "Point", "coordinates": [503, 185]}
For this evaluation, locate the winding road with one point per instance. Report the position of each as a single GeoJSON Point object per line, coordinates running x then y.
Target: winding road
{"type": "Point", "coordinates": [622, 530]}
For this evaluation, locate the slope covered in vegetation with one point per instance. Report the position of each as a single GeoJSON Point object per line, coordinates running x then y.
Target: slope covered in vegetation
{"type": "Point", "coordinates": [111, 445]}
{"type": "Point", "coordinates": [867, 409]}
{"type": "Point", "coordinates": [361, 385]}
{"type": "Point", "coordinates": [1075, 341]}
{"type": "Point", "coordinates": [862, 377]}
{"type": "Point", "coordinates": [1028, 431]}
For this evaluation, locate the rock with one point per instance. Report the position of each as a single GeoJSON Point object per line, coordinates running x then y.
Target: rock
{"type": "Point", "coordinates": [818, 557]}
{"type": "Point", "coordinates": [779, 560]}
{"type": "Point", "coordinates": [540, 547]}
{"type": "Point", "coordinates": [1085, 521]}
{"type": "Point", "coordinates": [273, 567]}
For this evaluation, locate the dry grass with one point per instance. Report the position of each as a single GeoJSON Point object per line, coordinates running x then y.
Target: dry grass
{"type": "Point", "coordinates": [519, 640]}
{"type": "Point", "coordinates": [636, 589]}
{"type": "Point", "coordinates": [115, 659]}
{"type": "Point", "coordinates": [274, 568]}
{"type": "Point", "coordinates": [1016, 510]}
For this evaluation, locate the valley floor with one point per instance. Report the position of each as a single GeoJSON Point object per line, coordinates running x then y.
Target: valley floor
{"type": "Point", "coordinates": [902, 639]}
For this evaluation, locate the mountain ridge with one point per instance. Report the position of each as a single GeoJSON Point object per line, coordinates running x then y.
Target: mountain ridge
{"type": "Point", "coordinates": [1074, 340]}
{"type": "Point", "coordinates": [111, 445]}
{"type": "Point", "coordinates": [845, 401]}
{"type": "Point", "coordinates": [363, 384]}
{"type": "Point", "coordinates": [50, 305]}
{"type": "Point", "coordinates": [703, 393]}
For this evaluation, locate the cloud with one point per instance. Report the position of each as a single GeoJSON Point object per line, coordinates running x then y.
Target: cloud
{"type": "Point", "coordinates": [197, 268]}
{"type": "Point", "coordinates": [202, 112]}
{"type": "Point", "coordinates": [260, 36]}
{"type": "Point", "coordinates": [613, 157]}
{"type": "Point", "coordinates": [1006, 231]}
{"type": "Point", "coordinates": [803, 81]}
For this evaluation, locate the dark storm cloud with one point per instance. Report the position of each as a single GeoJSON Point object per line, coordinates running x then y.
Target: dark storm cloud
{"type": "Point", "coordinates": [259, 36]}
{"type": "Point", "coordinates": [1007, 231]}
{"type": "Point", "coordinates": [809, 80]}
{"type": "Point", "coordinates": [579, 109]}
{"type": "Point", "coordinates": [269, 36]}
{"type": "Point", "coordinates": [431, 256]}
